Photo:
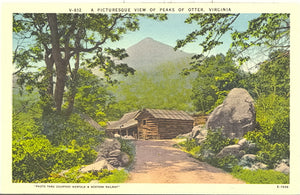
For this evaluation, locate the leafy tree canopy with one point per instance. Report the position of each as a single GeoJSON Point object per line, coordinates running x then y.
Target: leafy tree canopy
{"type": "Point", "coordinates": [268, 31]}
{"type": "Point", "coordinates": [64, 42]}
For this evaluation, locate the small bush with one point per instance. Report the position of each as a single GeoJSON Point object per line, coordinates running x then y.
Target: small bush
{"type": "Point", "coordinates": [215, 141]}
{"type": "Point", "coordinates": [129, 148]}
{"type": "Point", "coordinates": [260, 176]}
{"type": "Point", "coordinates": [189, 144]}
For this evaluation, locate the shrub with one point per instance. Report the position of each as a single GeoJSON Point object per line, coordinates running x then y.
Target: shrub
{"type": "Point", "coordinates": [260, 176]}
{"type": "Point", "coordinates": [73, 155]}
{"type": "Point", "coordinates": [272, 138]}
{"type": "Point", "coordinates": [60, 130]}
{"type": "Point", "coordinates": [129, 148]}
{"type": "Point", "coordinates": [188, 144]}
{"type": "Point", "coordinates": [215, 141]}
{"type": "Point", "coordinates": [227, 163]}
{"type": "Point", "coordinates": [34, 157]}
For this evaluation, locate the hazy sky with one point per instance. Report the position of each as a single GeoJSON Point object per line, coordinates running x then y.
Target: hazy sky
{"type": "Point", "coordinates": [173, 29]}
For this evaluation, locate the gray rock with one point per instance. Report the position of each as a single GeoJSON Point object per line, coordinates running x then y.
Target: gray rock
{"type": "Point", "coordinates": [124, 159]}
{"type": "Point", "coordinates": [244, 143]}
{"type": "Point", "coordinates": [202, 133]}
{"type": "Point", "coordinates": [199, 133]}
{"type": "Point", "coordinates": [196, 130]}
{"type": "Point", "coordinates": [234, 150]}
{"type": "Point", "coordinates": [249, 157]}
{"type": "Point", "coordinates": [259, 165]}
{"type": "Point", "coordinates": [283, 168]}
{"type": "Point", "coordinates": [107, 146]}
{"type": "Point", "coordinates": [252, 146]}
{"type": "Point", "coordinates": [114, 162]}
{"type": "Point", "coordinates": [236, 116]}
{"type": "Point", "coordinates": [286, 161]}
{"type": "Point", "coordinates": [97, 166]}
{"type": "Point", "coordinates": [110, 151]}
{"type": "Point", "coordinates": [248, 160]}
{"type": "Point", "coordinates": [115, 153]}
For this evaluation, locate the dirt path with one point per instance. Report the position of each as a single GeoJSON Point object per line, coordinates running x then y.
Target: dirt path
{"type": "Point", "coordinates": [160, 162]}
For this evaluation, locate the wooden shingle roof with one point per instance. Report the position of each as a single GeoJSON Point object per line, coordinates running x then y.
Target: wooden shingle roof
{"type": "Point", "coordinates": [169, 114]}
{"type": "Point", "coordinates": [127, 120]}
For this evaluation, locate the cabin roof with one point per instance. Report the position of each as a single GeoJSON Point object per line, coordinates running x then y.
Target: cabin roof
{"type": "Point", "coordinates": [127, 120]}
{"type": "Point", "coordinates": [168, 114]}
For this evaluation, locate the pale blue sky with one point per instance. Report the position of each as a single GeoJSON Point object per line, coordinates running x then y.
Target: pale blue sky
{"type": "Point", "coordinates": [173, 29]}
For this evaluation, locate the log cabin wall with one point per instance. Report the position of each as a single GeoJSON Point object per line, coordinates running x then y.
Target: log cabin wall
{"type": "Point", "coordinates": [170, 128]}
{"type": "Point", "coordinates": [147, 127]}
{"type": "Point", "coordinates": [156, 128]}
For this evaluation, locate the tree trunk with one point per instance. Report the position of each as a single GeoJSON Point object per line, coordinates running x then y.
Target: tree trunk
{"type": "Point", "coordinates": [49, 75]}
{"type": "Point", "coordinates": [60, 63]}
{"type": "Point", "coordinates": [73, 87]}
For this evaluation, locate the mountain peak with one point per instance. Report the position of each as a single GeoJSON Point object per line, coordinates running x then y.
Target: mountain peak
{"type": "Point", "coordinates": [148, 42]}
{"type": "Point", "coordinates": [149, 53]}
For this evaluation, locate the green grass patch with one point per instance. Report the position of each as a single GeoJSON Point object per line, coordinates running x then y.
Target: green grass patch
{"type": "Point", "coordinates": [260, 176]}
{"type": "Point", "coordinates": [75, 176]}
{"type": "Point", "coordinates": [117, 176]}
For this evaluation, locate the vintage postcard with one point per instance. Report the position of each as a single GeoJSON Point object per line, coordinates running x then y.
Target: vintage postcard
{"type": "Point", "coordinates": [159, 98]}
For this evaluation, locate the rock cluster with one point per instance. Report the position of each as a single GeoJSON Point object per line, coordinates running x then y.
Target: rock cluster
{"type": "Point", "coordinates": [198, 133]}
{"type": "Point", "coordinates": [235, 116]}
{"type": "Point", "coordinates": [110, 150]}
{"type": "Point", "coordinates": [109, 157]}
{"type": "Point", "coordinates": [250, 161]}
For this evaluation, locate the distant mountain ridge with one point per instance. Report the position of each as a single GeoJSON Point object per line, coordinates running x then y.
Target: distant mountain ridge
{"type": "Point", "coordinates": [149, 53]}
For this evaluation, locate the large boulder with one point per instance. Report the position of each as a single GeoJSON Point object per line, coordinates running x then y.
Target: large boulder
{"type": "Point", "coordinates": [236, 116]}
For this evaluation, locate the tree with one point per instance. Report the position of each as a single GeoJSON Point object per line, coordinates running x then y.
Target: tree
{"type": "Point", "coordinates": [216, 76]}
{"type": "Point", "coordinates": [92, 95]}
{"type": "Point", "coordinates": [273, 76]}
{"type": "Point", "coordinates": [268, 32]}
{"type": "Point", "coordinates": [64, 42]}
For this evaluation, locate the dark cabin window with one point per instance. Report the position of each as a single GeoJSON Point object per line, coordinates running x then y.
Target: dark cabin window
{"type": "Point", "coordinates": [144, 122]}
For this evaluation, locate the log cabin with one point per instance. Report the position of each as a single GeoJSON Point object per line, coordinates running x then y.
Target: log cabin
{"type": "Point", "coordinates": [152, 124]}
{"type": "Point", "coordinates": [127, 125]}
